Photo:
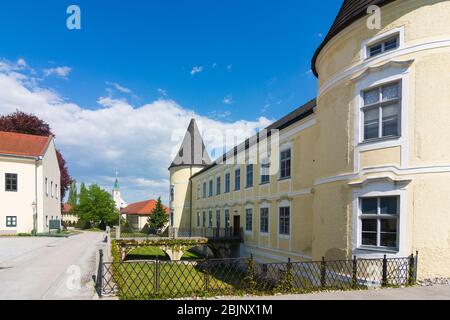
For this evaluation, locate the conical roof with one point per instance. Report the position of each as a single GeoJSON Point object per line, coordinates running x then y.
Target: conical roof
{"type": "Point", "coordinates": [192, 150]}
{"type": "Point", "coordinates": [351, 11]}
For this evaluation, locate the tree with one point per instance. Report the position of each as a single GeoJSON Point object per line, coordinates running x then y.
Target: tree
{"type": "Point", "coordinates": [73, 194]}
{"type": "Point", "coordinates": [96, 206]}
{"type": "Point", "coordinates": [21, 122]}
{"type": "Point", "coordinates": [158, 217]}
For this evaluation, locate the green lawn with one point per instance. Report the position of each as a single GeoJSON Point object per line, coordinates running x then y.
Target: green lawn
{"type": "Point", "coordinates": [136, 280]}
{"type": "Point", "coordinates": [151, 253]}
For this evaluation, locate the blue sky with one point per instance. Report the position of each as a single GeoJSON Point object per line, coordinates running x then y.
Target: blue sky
{"type": "Point", "coordinates": [230, 62]}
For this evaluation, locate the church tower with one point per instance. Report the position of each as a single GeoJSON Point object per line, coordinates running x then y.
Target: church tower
{"type": "Point", "coordinates": [120, 204]}
{"type": "Point", "coordinates": [190, 159]}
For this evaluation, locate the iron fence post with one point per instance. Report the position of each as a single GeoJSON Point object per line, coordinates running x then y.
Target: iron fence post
{"type": "Point", "coordinates": [207, 274]}
{"type": "Point", "coordinates": [157, 275]}
{"type": "Point", "coordinates": [384, 281]}
{"type": "Point", "coordinates": [323, 273]}
{"type": "Point", "coordinates": [355, 272]}
{"type": "Point", "coordinates": [100, 273]}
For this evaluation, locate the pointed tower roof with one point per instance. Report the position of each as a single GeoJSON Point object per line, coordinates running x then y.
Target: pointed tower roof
{"type": "Point", "coordinates": [116, 185]}
{"type": "Point", "coordinates": [192, 150]}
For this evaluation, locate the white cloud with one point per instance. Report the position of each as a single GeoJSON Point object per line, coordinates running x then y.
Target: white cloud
{"type": "Point", "coordinates": [119, 87]}
{"type": "Point", "coordinates": [162, 92]}
{"type": "Point", "coordinates": [196, 70]}
{"type": "Point", "coordinates": [228, 99]}
{"type": "Point", "coordinates": [21, 62]}
{"type": "Point", "coordinates": [62, 72]}
{"type": "Point", "coordinates": [139, 141]}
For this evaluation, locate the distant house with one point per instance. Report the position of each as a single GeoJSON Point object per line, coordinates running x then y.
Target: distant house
{"type": "Point", "coordinates": [29, 184]}
{"type": "Point", "coordinates": [138, 213]}
{"type": "Point", "coordinates": [67, 215]}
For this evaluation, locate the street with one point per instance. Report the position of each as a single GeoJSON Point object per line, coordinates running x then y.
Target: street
{"type": "Point", "coordinates": [49, 268]}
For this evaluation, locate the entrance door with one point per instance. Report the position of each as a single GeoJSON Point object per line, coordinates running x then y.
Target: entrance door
{"type": "Point", "coordinates": [236, 226]}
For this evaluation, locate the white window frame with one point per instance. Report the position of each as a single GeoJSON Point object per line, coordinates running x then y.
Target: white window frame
{"type": "Point", "coordinates": [373, 190]}
{"type": "Point", "coordinates": [375, 79]}
{"type": "Point", "coordinates": [227, 173]}
{"type": "Point", "coordinates": [218, 185]}
{"type": "Point", "coordinates": [199, 222]}
{"type": "Point", "coordinates": [46, 187]}
{"type": "Point", "coordinates": [51, 188]}
{"type": "Point", "coordinates": [379, 107]}
{"type": "Point", "coordinates": [210, 219]}
{"type": "Point", "coordinates": [397, 32]}
{"type": "Point", "coordinates": [56, 191]}
{"type": "Point", "coordinates": [204, 189]}
{"type": "Point", "coordinates": [268, 220]}
{"type": "Point", "coordinates": [249, 232]}
{"type": "Point", "coordinates": [283, 148]}
{"type": "Point", "coordinates": [227, 223]}
{"type": "Point", "coordinates": [284, 204]}
{"type": "Point", "coordinates": [210, 187]}
{"type": "Point", "coordinates": [218, 218]}
{"type": "Point", "coordinates": [264, 162]}
{"type": "Point", "coordinates": [240, 179]}
{"type": "Point", "coordinates": [11, 218]}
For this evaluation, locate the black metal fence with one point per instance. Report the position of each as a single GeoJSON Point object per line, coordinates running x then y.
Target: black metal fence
{"type": "Point", "coordinates": [211, 277]}
{"type": "Point", "coordinates": [210, 233]}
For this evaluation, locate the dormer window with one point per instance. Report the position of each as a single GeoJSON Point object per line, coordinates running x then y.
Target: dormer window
{"type": "Point", "coordinates": [383, 46]}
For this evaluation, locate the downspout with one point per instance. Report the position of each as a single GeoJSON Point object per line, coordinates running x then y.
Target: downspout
{"type": "Point", "coordinates": [190, 203]}
{"type": "Point", "coordinates": [36, 195]}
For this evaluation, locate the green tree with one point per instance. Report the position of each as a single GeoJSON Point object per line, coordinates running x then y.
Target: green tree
{"type": "Point", "coordinates": [96, 206]}
{"type": "Point", "coordinates": [73, 194]}
{"type": "Point", "coordinates": [158, 217]}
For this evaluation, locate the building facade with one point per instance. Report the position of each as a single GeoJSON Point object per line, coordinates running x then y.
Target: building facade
{"type": "Point", "coordinates": [137, 214]}
{"type": "Point", "coordinates": [364, 169]}
{"type": "Point", "coordinates": [29, 184]}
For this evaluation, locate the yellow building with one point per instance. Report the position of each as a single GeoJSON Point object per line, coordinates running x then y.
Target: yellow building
{"type": "Point", "coordinates": [364, 169]}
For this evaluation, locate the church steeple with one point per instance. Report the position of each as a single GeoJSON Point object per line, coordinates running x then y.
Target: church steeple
{"type": "Point", "coordinates": [192, 151]}
{"type": "Point", "coordinates": [116, 194]}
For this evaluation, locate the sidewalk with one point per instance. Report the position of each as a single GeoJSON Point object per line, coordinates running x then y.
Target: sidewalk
{"type": "Point", "coordinates": [412, 293]}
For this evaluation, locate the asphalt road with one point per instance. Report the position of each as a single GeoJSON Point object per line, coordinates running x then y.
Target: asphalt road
{"type": "Point", "coordinates": [49, 268]}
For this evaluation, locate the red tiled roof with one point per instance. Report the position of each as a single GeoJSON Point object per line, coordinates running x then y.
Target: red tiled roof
{"type": "Point", "coordinates": [66, 208]}
{"type": "Point", "coordinates": [143, 208]}
{"type": "Point", "coordinates": [18, 144]}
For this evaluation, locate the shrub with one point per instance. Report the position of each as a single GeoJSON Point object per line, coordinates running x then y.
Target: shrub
{"type": "Point", "coordinates": [146, 229]}
{"type": "Point", "coordinates": [84, 225]}
{"type": "Point", "coordinates": [24, 235]}
{"type": "Point", "coordinates": [126, 228]}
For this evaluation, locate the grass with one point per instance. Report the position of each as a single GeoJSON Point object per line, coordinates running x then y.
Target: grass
{"type": "Point", "coordinates": [153, 253]}
{"type": "Point", "coordinates": [137, 281]}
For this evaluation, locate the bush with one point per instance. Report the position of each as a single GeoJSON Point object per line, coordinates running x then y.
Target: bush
{"type": "Point", "coordinates": [24, 235]}
{"type": "Point", "coordinates": [146, 229]}
{"type": "Point", "coordinates": [102, 226]}
{"type": "Point", "coordinates": [126, 228]}
{"type": "Point", "coordinates": [84, 225]}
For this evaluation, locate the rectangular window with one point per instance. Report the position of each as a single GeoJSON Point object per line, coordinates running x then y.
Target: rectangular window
{"type": "Point", "coordinates": [218, 219]}
{"type": "Point", "coordinates": [11, 222]}
{"type": "Point", "coordinates": [264, 220]}
{"type": "Point", "coordinates": [210, 194]}
{"type": "Point", "coordinates": [172, 193]}
{"type": "Point", "coordinates": [210, 219]}
{"type": "Point", "coordinates": [171, 218]}
{"type": "Point", "coordinates": [285, 221]}
{"type": "Point", "coordinates": [204, 219]}
{"type": "Point", "coordinates": [218, 183]}
{"type": "Point", "coordinates": [204, 189]}
{"type": "Point", "coordinates": [383, 46]}
{"type": "Point", "coordinates": [227, 218]}
{"type": "Point", "coordinates": [56, 191]}
{"type": "Point", "coordinates": [227, 182]}
{"type": "Point", "coordinates": [51, 188]}
{"type": "Point", "coordinates": [379, 221]}
{"type": "Point", "coordinates": [237, 179]}
{"type": "Point", "coordinates": [198, 219]}
{"type": "Point", "coordinates": [11, 182]}
{"type": "Point", "coordinates": [249, 176]}
{"type": "Point", "coordinates": [248, 219]}
{"type": "Point", "coordinates": [285, 164]}
{"type": "Point", "coordinates": [198, 191]}
{"type": "Point", "coordinates": [265, 171]}
{"type": "Point", "coordinates": [382, 112]}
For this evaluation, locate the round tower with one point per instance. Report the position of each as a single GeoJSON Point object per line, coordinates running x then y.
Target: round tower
{"type": "Point", "coordinates": [190, 159]}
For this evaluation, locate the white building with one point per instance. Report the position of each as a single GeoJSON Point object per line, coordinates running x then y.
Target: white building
{"type": "Point", "coordinates": [117, 197]}
{"type": "Point", "coordinates": [29, 184]}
